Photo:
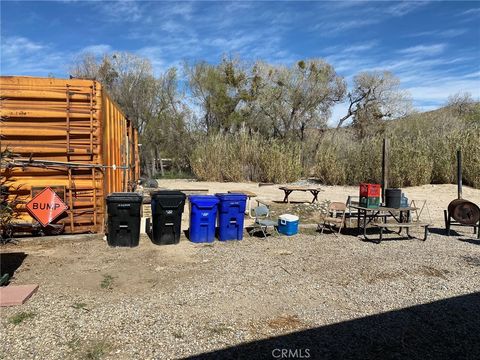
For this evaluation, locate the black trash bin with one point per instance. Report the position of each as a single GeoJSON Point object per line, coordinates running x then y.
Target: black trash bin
{"type": "Point", "coordinates": [167, 210]}
{"type": "Point", "coordinates": [393, 198]}
{"type": "Point", "coordinates": [123, 219]}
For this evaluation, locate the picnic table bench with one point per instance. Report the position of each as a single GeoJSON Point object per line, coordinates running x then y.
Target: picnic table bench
{"type": "Point", "coordinates": [402, 219]}
{"type": "Point", "coordinates": [401, 226]}
{"type": "Point", "coordinates": [289, 189]}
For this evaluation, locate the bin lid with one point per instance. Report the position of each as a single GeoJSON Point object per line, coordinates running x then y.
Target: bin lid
{"type": "Point", "coordinates": [122, 197]}
{"type": "Point", "coordinates": [168, 199]}
{"type": "Point", "coordinates": [288, 217]}
{"type": "Point", "coordinates": [203, 200]}
{"type": "Point", "coordinates": [393, 190]}
{"type": "Point", "coordinates": [231, 196]}
{"type": "Point", "coordinates": [167, 194]}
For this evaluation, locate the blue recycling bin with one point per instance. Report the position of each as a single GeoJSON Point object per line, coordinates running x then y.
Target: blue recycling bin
{"type": "Point", "coordinates": [203, 215]}
{"type": "Point", "coordinates": [231, 215]}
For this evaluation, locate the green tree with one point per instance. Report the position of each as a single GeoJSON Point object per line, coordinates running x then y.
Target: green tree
{"type": "Point", "coordinates": [222, 92]}
{"type": "Point", "coordinates": [166, 134]}
{"type": "Point", "coordinates": [293, 99]}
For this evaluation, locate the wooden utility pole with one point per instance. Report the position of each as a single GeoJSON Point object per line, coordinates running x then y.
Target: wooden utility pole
{"type": "Point", "coordinates": [384, 168]}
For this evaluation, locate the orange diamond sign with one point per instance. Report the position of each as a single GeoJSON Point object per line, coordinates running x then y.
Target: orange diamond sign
{"type": "Point", "coordinates": [46, 206]}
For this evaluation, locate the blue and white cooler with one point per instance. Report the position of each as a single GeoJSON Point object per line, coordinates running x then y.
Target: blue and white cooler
{"type": "Point", "coordinates": [288, 224]}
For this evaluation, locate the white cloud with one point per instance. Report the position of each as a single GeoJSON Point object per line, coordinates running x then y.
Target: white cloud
{"type": "Point", "coordinates": [22, 56]}
{"type": "Point", "coordinates": [97, 50]}
{"type": "Point", "coordinates": [172, 26]}
{"type": "Point", "coordinates": [472, 11]}
{"type": "Point", "coordinates": [235, 6]}
{"type": "Point", "coordinates": [121, 11]}
{"type": "Point", "coordinates": [346, 4]}
{"type": "Point", "coordinates": [423, 50]}
{"type": "Point", "coordinates": [404, 7]}
{"type": "Point", "coordinates": [17, 45]}
{"type": "Point", "coordinates": [184, 9]}
{"type": "Point", "coordinates": [329, 28]}
{"type": "Point", "coordinates": [350, 48]}
{"type": "Point", "coordinates": [346, 16]}
{"type": "Point", "coordinates": [449, 33]}
{"type": "Point", "coordinates": [437, 92]}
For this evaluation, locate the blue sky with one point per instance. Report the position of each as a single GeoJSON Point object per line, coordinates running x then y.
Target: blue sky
{"type": "Point", "coordinates": [432, 46]}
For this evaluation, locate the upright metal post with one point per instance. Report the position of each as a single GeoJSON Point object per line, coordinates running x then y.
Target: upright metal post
{"type": "Point", "coordinates": [459, 173]}
{"type": "Point", "coordinates": [384, 168]}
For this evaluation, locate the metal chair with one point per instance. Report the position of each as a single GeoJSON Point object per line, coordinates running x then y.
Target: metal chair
{"type": "Point", "coordinates": [262, 222]}
{"type": "Point", "coordinates": [420, 206]}
{"type": "Point", "coordinates": [352, 200]}
{"type": "Point", "coordinates": [335, 216]}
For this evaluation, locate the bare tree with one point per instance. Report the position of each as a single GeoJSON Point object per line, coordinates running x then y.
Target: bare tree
{"type": "Point", "coordinates": [375, 96]}
{"type": "Point", "coordinates": [128, 78]}
{"type": "Point", "coordinates": [153, 103]}
{"type": "Point", "coordinates": [461, 103]}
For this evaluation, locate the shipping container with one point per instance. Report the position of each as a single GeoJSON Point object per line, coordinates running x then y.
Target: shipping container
{"type": "Point", "coordinates": [67, 134]}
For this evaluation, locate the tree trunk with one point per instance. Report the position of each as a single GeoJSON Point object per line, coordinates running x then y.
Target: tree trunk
{"type": "Point", "coordinates": [154, 163]}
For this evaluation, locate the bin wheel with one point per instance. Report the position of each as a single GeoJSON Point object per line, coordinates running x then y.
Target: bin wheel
{"type": "Point", "coordinates": [8, 233]}
{"type": "Point", "coordinates": [38, 232]}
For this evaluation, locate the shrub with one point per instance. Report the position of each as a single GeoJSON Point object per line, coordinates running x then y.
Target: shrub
{"type": "Point", "coordinates": [422, 150]}
{"type": "Point", "coordinates": [240, 157]}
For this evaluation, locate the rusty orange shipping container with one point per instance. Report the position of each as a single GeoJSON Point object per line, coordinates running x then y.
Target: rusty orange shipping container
{"type": "Point", "coordinates": [68, 135]}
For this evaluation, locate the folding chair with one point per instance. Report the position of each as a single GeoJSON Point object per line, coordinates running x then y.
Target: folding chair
{"type": "Point", "coordinates": [262, 222]}
{"type": "Point", "coordinates": [352, 200]}
{"type": "Point", "coordinates": [420, 206]}
{"type": "Point", "coordinates": [335, 216]}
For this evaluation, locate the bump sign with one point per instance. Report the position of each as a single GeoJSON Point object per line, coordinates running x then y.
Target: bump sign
{"type": "Point", "coordinates": [46, 206]}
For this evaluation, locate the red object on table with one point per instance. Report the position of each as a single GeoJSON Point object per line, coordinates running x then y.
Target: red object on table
{"type": "Point", "coordinates": [370, 190]}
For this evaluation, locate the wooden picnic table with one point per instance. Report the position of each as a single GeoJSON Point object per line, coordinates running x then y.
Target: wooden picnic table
{"type": "Point", "coordinates": [402, 219]}
{"type": "Point", "coordinates": [289, 189]}
{"type": "Point", "coordinates": [194, 191]}
{"type": "Point", "coordinates": [245, 192]}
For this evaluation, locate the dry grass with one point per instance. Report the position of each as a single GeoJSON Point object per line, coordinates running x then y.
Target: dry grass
{"type": "Point", "coordinates": [422, 150]}
{"type": "Point", "coordinates": [20, 317]}
{"type": "Point", "coordinates": [245, 157]}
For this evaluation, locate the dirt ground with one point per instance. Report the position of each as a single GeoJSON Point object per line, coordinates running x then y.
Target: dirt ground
{"type": "Point", "coordinates": [325, 295]}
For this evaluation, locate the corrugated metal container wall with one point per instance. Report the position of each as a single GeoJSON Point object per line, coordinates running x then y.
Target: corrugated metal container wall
{"type": "Point", "coordinates": [71, 136]}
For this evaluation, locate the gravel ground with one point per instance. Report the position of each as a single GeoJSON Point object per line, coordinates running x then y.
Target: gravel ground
{"type": "Point", "coordinates": [165, 302]}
